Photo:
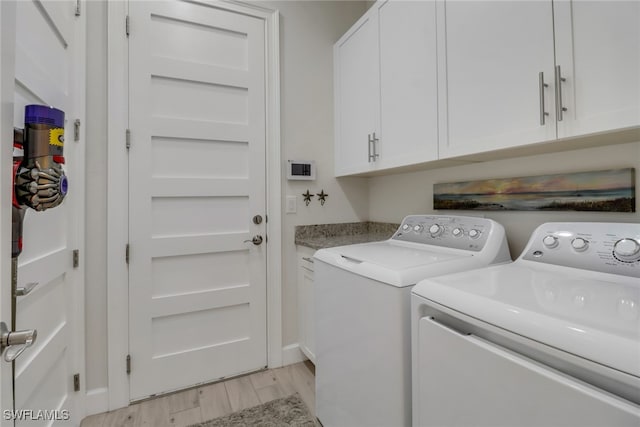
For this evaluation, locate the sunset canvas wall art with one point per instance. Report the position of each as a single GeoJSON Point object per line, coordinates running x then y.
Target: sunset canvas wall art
{"type": "Point", "coordinates": [605, 191]}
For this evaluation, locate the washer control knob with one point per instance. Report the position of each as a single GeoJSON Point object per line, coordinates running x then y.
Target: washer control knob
{"type": "Point", "coordinates": [435, 230]}
{"type": "Point", "coordinates": [406, 227]}
{"type": "Point", "coordinates": [474, 234]}
{"type": "Point", "coordinates": [418, 228]}
{"type": "Point", "coordinates": [579, 244]}
{"type": "Point", "coordinates": [550, 241]}
{"type": "Point", "coordinates": [457, 232]}
{"type": "Point", "coordinates": [627, 249]}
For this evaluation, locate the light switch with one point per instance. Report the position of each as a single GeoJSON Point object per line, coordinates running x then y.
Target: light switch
{"type": "Point", "coordinates": [291, 205]}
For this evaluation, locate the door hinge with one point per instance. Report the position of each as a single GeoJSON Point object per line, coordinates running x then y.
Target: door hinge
{"type": "Point", "coordinates": [126, 25]}
{"type": "Point", "coordinates": [76, 382]}
{"type": "Point", "coordinates": [77, 7]}
{"type": "Point", "coordinates": [76, 258]}
{"type": "Point", "coordinates": [126, 254]}
{"type": "Point", "coordinates": [128, 364]}
{"type": "Point", "coordinates": [76, 130]}
{"type": "Point", "coordinates": [127, 137]}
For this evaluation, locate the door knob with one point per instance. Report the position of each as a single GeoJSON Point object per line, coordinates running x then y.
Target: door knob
{"type": "Point", "coordinates": [19, 339]}
{"type": "Point", "coordinates": [256, 240]}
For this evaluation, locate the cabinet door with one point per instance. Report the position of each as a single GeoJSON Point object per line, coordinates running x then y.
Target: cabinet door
{"type": "Point", "coordinates": [356, 95]}
{"type": "Point", "coordinates": [309, 348]}
{"type": "Point", "coordinates": [490, 54]}
{"type": "Point", "coordinates": [598, 51]}
{"type": "Point", "coordinates": [306, 312]}
{"type": "Point", "coordinates": [408, 83]}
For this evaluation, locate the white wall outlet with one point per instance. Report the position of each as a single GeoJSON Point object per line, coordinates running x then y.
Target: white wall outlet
{"type": "Point", "coordinates": [292, 205]}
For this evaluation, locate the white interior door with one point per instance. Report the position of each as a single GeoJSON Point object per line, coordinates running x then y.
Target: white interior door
{"type": "Point", "coordinates": [197, 288]}
{"type": "Point", "coordinates": [46, 72]}
{"type": "Point", "coordinates": [7, 37]}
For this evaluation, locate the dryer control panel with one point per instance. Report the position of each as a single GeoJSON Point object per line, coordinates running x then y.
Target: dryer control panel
{"type": "Point", "coordinates": [605, 247]}
{"type": "Point", "coordinates": [468, 233]}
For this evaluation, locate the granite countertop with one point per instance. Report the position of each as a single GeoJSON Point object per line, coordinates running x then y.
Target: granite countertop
{"type": "Point", "coordinates": [329, 235]}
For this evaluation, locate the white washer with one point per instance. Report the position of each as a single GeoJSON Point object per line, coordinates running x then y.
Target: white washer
{"type": "Point", "coordinates": [363, 367]}
{"type": "Point", "coordinates": [550, 339]}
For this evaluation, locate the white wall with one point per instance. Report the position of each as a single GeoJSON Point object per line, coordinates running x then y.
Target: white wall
{"type": "Point", "coordinates": [392, 197]}
{"type": "Point", "coordinates": [308, 30]}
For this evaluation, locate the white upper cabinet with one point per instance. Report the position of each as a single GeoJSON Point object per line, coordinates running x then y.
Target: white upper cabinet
{"type": "Point", "coordinates": [598, 52]}
{"type": "Point", "coordinates": [491, 54]}
{"type": "Point", "coordinates": [356, 96]}
{"type": "Point", "coordinates": [408, 83]}
{"type": "Point", "coordinates": [386, 89]}
{"type": "Point", "coordinates": [514, 73]}
{"type": "Point", "coordinates": [419, 81]}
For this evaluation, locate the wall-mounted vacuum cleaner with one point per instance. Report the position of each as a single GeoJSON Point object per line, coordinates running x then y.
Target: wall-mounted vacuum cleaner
{"type": "Point", "coordinates": [40, 184]}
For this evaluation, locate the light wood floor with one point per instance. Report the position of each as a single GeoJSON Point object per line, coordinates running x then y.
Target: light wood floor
{"type": "Point", "coordinates": [214, 400]}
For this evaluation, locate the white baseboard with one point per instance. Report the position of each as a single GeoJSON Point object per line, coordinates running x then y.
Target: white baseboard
{"type": "Point", "coordinates": [292, 354]}
{"type": "Point", "coordinates": [97, 401]}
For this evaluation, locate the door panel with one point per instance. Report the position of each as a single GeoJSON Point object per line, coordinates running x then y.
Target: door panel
{"type": "Point", "coordinates": [602, 87]}
{"type": "Point", "coordinates": [357, 94]}
{"type": "Point", "coordinates": [408, 83]}
{"type": "Point", "coordinates": [493, 55]}
{"type": "Point", "coordinates": [45, 74]}
{"type": "Point", "coordinates": [196, 178]}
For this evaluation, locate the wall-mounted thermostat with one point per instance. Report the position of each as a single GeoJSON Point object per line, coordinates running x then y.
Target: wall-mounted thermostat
{"type": "Point", "coordinates": [301, 170]}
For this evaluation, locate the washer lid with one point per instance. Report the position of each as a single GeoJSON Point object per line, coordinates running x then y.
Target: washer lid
{"type": "Point", "coordinates": [397, 263]}
{"type": "Point", "coordinates": [394, 256]}
{"type": "Point", "coordinates": [592, 315]}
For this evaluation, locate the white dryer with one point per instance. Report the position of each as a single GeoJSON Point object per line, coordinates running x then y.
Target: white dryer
{"type": "Point", "coordinates": [550, 339]}
{"type": "Point", "coordinates": [362, 295]}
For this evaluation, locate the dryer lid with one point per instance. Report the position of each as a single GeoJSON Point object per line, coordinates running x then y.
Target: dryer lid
{"type": "Point", "coordinates": [592, 315]}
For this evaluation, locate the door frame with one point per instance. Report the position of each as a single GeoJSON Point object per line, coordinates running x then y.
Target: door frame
{"type": "Point", "coordinates": [7, 82]}
{"type": "Point", "coordinates": [117, 191]}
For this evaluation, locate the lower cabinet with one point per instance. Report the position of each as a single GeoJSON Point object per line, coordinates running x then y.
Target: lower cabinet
{"type": "Point", "coordinates": [306, 336]}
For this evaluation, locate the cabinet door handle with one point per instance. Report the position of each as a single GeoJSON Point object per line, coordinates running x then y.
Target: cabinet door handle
{"type": "Point", "coordinates": [373, 143]}
{"type": "Point", "coordinates": [542, 85]}
{"type": "Point", "coordinates": [372, 147]}
{"type": "Point", "coordinates": [559, 79]}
